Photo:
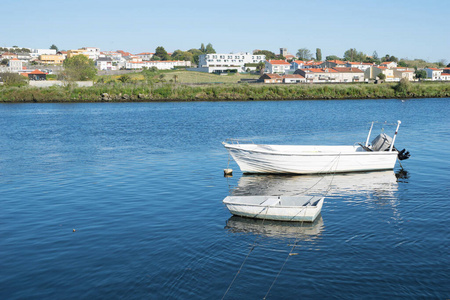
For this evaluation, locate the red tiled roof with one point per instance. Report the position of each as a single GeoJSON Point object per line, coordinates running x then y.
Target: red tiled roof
{"type": "Point", "coordinates": [383, 68]}
{"type": "Point", "coordinates": [434, 69]}
{"type": "Point", "coordinates": [273, 76]}
{"type": "Point", "coordinates": [37, 72]}
{"type": "Point", "coordinates": [339, 62]}
{"type": "Point", "coordinates": [299, 62]}
{"type": "Point", "coordinates": [145, 53]}
{"type": "Point", "coordinates": [278, 62]}
{"type": "Point", "coordinates": [387, 62]}
{"type": "Point", "coordinates": [295, 76]}
{"type": "Point", "coordinates": [348, 70]}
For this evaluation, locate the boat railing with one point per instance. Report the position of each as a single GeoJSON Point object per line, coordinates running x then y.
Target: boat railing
{"type": "Point", "coordinates": [239, 141]}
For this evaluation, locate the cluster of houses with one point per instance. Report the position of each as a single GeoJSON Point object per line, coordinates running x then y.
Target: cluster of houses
{"type": "Point", "coordinates": [104, 60]}
{"type": "Point", "coordinates": [275, 71]}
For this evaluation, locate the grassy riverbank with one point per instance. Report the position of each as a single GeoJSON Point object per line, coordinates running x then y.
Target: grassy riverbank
{"type": "Point", "coordinates": [120, 92]}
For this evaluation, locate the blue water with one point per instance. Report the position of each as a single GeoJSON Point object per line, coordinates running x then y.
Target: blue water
{"type": "Point", "coordinates": [142, 185]}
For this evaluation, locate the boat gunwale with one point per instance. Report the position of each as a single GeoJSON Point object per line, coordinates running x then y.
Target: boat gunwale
{"type": "Point", "coordinates": [361, 153]}
{"type": "Point", "coordinates": [318, 202]}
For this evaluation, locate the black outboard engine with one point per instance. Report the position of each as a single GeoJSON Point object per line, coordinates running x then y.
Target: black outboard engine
{"type": "Point", "coordinates": [402, 155]}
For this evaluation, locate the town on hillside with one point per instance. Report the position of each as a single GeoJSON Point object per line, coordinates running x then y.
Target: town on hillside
{"type": "Point", "coordinates": [284, 67]}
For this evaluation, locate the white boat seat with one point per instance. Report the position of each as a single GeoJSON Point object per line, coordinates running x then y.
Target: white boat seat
{"type": "Point", "coordinates": [271, 202]}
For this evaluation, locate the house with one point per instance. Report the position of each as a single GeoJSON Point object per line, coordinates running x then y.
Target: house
{"type": "Point", "coordinates": [276, 66]}
{"type": "Point", "coordinates": [446, 70]}
{"type": "Point", "coordinates": [433, 73]}
{"type": "Point", "coordinates": [400, 73]}
{"type": "Point", "coordinates": [15, 65]}
{"type": "Point", "coordinates": [318, 75]}
{"type": "Point", "coordinates": [297, 64]}
{"type": "Point", "coordinates": [137, 64]}
{"type": "Point", "coordinates": [293, 78]}
{"type": "Point", "coordinates": [37, 75]}
{"type": "Point", "coordinates": [389, 64]}
{"type": "Point", "coordinates": [349, 74]}
{"type": "Point", "coordinates": [53, 59]}
{"type": "Point", "coordinates": [8, 55]}
{"type": "Point", "coordinates": [223, 63]}
{"type": "Point", "coordinates": [271, 78]}
{"type": "Point", "coordinates": [360, 65]}
{"type": "Point", "coordinates": [372, 73]}
{"type": "Point", "coordinates": [91, 52]}
{"type": "Point", "coordinates": [312, 64]}
{"type": "Point", "coordinates": [105, 63]}
{"type": "Point", "coordinates": [145, 55]}
{"type": "Point", "coordinates": [35, 53]}
{"type": "Point", "coordinates": [72, 53]}
{"type": "Point", "coordinates": [445, 76]}
{"type": "Point", "coordinates": [333, 64]}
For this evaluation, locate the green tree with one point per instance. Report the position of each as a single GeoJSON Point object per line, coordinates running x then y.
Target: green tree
{"type": "Point", "coordinates": [195, 54]}
{"type": "Point", "coordinates": [353, 55]}
{"type": "Point", "coordinates": [53, 46]}
{"type": "Point", "coordinates": [124, 78]}
{"type": "Point", "coordinates": [304, 54]}
{"type": "Point", "coordinates": [375, 55]}
{"type": "Point", "coordinates": [79, 67]}
{"type": "Point", "coordinates": [162, 53]}
{"type": "Point", "coordinates": [202, 48]}
{"type": "Point", "coordinates": [12, 79]}
{"type": "Point", "coordinates": [332, 57]}
{"type": "Point", "coordinates": [381, 76]}
{"type": "Point", "coordinates": [318, 54]}
{"type": "Point", "coordinates": [209, 49]}
{"type": "Point", "coordinates": [402, 63]}
{"type": "Point", "coordinates": [403, 86]}
{"type": "Point", "coordinates": [420, 74]}
{"type": "Point", "coordinates": [4, 61]}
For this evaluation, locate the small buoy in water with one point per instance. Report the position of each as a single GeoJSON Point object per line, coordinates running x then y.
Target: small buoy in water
{"type": "Point", "coordinates": [73, 230]}
{"type": "Point", "coordinates": [227, 172]}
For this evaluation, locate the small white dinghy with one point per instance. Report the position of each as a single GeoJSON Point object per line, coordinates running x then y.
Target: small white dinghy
{"type": "Point", "coordinates": [279, 208]}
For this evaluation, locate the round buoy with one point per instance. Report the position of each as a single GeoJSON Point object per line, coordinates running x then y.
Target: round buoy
{"type": "Point", "coordinates": [227, 172]}
{"type": "Point", "coordinates": [73, 230]}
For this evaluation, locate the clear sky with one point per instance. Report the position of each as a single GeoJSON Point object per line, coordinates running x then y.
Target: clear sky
{"type": "Point", "coordinates": [403, 28]}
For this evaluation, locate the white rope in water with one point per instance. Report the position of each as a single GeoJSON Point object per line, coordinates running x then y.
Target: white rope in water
{"type": "Point", "coordinates": [333, 162]}
{"type": "Point", "coordinates": [296, 239]}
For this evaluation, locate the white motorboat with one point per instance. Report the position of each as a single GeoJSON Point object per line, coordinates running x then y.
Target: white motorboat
{"type": "Point", "coordinates": [279, 208]}
{"type": "Point", "coordinates": [292, 159]}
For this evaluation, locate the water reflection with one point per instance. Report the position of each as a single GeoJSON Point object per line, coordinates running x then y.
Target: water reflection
{"type": "Point", "coordinates": [380, 183]}
{"type": "Point", "coordinates": [299, 230]}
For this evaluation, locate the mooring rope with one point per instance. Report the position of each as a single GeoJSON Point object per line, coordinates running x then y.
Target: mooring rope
{"type": "Point", "coordinates": [296, 239]}
{"type": "Point", "coordinates": [245, 259]}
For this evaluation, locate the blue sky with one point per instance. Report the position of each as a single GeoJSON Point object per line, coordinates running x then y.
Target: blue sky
{"type": "Point", "coordinates": [406, 29]}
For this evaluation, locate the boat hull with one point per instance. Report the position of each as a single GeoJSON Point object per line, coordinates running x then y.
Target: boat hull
{"type": "Point", "coordinates": [253, 158]}
{"type": "Point", "coordinates": [279, 212]}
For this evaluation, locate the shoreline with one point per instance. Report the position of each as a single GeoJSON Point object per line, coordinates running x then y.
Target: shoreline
{"type": "Point", "coordinates": [140, 92]}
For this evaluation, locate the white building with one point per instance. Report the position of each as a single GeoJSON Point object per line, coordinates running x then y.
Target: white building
{"type": "Point", "coordinates": [389, 64]}
{"type": "Point", "coordinates": [35, 53]}
{"type": "Point", "coordinates": [433, 73]}
{"type": "Point", "coordinates": [220, 63]}
{"type": "Point", "coordinates": [15, 65]}
{"type": "Point", "coordinates": [92, 52]}
{"type": "Point", "coordinates": [145, 55]}
{"type": "Point", "coordinates": [159, 64]}
{"type": "Point", "coordinates": [360, 65]}
{"type": "Point", "coordinates": [105, 63]}
{"type": "Point", "coordinates": [276, 66]}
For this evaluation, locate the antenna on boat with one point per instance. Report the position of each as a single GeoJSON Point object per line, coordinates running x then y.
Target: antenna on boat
{"type": "Point", "coordinates": [395, 135]}
{"type": "Point", "coordinates": [368, 136]}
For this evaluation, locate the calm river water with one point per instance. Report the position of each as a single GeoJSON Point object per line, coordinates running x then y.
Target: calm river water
{"type": "Point", "coordinates": [142, 185]}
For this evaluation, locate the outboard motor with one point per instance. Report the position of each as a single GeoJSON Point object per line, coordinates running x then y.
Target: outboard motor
{"type": "Point", "coordinates": [383, 142]}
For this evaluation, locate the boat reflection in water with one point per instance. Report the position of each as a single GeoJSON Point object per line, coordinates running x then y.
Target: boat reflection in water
{"type": "Point", "coordinates": [276, 229]}
{"type": "Point", "coordinates": [384, 182]}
